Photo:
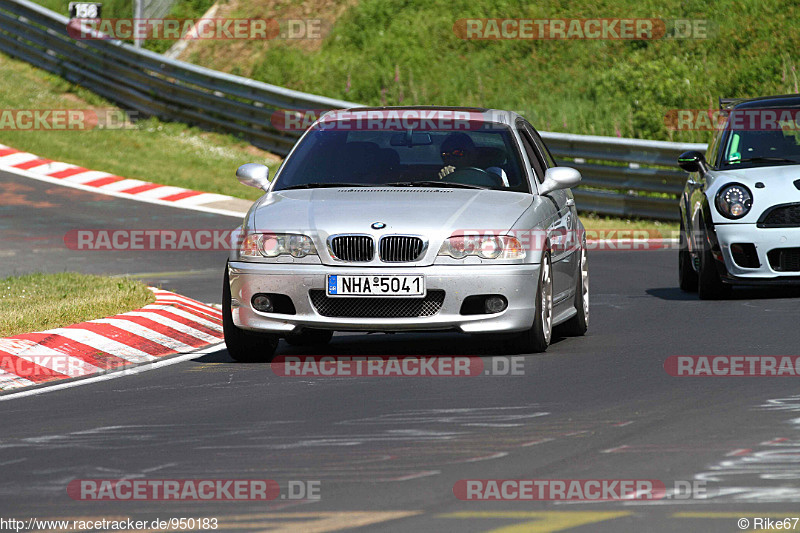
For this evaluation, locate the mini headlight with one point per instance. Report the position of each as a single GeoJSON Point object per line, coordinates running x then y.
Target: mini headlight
{"type": "Point", "coordinates": [485, 247]}
{"type": "Point", "coordinates": [734, 201]}
{"type": "Point", "coordinates": [275, 244]}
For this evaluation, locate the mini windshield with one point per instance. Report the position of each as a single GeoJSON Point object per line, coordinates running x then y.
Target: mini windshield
{"type": "Point", "coordinates": [745, 148]}
{"type": "Point", "coordinates": [484, 158]}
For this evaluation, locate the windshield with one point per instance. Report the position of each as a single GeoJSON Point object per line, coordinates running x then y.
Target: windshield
{"type": "Point", "coordinates": [484, 158]}
{"type": "Point", "coordinates": [746, 148]}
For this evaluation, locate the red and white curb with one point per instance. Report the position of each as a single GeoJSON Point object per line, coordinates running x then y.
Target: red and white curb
{"type": "Point", "coordinates": [174, 324]}
{"type": "Point", "coordinates": [32, 165]}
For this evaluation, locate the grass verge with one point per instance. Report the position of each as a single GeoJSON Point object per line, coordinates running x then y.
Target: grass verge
{"type": "Point", "coordinates": [169, 153]}
{"type": "Point", "coordinates": [36, 302]}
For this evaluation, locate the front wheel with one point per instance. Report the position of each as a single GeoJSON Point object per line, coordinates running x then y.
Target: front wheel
{"type": "Point", "coordinates": [687, 275]}
{"type": "Point", "coordinates": [537, 338]}
{"type": "Point", "coordinates": [244, 346]}
{"type": "Point", "coordinates": [577, 325]}
{"type": "Point", "coordinates": [710, 285]}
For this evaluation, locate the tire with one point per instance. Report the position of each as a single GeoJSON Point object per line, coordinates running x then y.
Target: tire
{"type": "Point", "coordinates": [687, 275]}
{"type": "Point", "coordinates": [244, 346]}
{"type": "Point", "coordinates": [577, 325]}
{"type": "Point", "coordinates": [310, 337]}
{"type": "Point", "coordinates": [537, 338]}
{"type": "Point", "coordinates": [710, 285]}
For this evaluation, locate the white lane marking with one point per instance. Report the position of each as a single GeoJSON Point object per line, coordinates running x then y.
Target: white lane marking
{"type": "Point", "coordinates": [147, 333]}
{"type": "Point", "coordinates": [180, 326]}
{"type": "Point", "coordinates": [185, 314]}
{"type": "Point", "coordinates": [116, 374]}
{"type": "Point", "coordinates": [19, 157]}
{"type": "Point", "coordinates": [12, 381]}
{"type": "Point", "coordinates": [103, 344]}
{"type": "Point", "coordinates": [497, 455]}
{"type": "Point", "coordinates": [64, 182]}
{"type": "Point", "coordinates": [409, 477]}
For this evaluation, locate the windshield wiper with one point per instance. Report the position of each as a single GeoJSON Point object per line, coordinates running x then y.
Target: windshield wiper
{"type": "Point", "coordinates": [760, 158]}
{"type": "Point", "coordinates": [433, 184]}
{"type": "Point", "coordinates": [320, 185]}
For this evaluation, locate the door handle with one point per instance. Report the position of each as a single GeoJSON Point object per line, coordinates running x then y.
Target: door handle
{"type": "Point", "coordinates": [570, 202]}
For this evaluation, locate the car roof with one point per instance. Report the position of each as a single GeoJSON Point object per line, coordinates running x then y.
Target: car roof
{"type": "Point", "coordinates": [784, 100]}
{"type": "Point", "coordinates": [498, 116]}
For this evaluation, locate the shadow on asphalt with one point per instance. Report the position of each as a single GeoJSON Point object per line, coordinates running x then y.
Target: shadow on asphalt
{"type": "Point", "coordinates": [378, 344]}
{"type": "Point", "coordinates": [739, 293]}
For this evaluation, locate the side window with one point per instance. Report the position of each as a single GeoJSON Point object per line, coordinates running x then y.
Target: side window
{"type": "Point", "coordinates": [548, 158]}
{"type": "Point", "coordinates": [530, 151]}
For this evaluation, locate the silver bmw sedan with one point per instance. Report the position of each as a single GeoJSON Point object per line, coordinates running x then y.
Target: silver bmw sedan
{"type": "Point", "coordinates": [409, 219]}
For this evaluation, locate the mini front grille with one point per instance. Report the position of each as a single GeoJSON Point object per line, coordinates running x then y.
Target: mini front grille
{"type": "Point", "coordinates": [781, 216]}
{"type": "Point", "coordinates": [356, 248]}
{"type": "Point", "coordinates": [377, 307]}
{"type": "Point", "coordinates": [400, 248]}
{"type": "Point", "coordinates": [784, 259]}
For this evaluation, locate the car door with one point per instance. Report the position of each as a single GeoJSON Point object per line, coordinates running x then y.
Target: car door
{"type": "Point", "coordinates": [561, 225]}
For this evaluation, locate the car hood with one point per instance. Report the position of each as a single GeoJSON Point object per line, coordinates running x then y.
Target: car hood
{"type": "Point", "coordinates": [779, 188]}
{"type": "Point", "coordinates": [433, 213]}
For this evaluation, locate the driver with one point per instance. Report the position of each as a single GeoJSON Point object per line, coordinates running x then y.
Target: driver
{"type": "Point", "coordinates": [458, 151]}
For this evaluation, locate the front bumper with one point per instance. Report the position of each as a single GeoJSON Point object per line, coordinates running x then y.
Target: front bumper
{"type": "Point", "coordinates": [765, 240]}
{"type": "Point", "coordinates": [516, 282]}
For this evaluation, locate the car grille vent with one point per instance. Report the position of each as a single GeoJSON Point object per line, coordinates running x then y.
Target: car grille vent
{"type": "Point", "coordinates": [784, 259]}
{"type": "Point", "coordinates": [355, 248]}
{"type": "Point", "coordinates": [377, 307]}
{"type": "Point", "coordinates": [400, 248]}
{"type": "Point", "coordinates": [781, 216]}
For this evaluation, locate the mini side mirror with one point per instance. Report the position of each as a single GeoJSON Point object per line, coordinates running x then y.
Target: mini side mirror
{"type": "Point", "coordinates": [556, 178]}
{"type": "Point", "coordinates": [691, 161]}
{"type": "Point", "coordinates": [253, 175]}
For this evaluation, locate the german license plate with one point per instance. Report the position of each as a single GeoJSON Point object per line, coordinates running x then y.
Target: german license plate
{"type": "Point", "coordinates": [362, 285]}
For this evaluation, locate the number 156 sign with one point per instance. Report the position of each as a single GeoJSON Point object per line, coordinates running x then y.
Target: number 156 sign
{"type": "Point", "coordinates": [84, 10]}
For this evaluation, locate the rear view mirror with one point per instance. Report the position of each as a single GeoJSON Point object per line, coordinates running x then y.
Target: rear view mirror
{"type": "Point", "coordinates": [408, 138]}
{"type": "Point", "coordinates": [253, 175]}
{"type": "Point", "coordinates": [556, 178]}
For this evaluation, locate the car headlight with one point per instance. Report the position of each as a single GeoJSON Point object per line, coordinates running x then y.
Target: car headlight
{"type": "Point", "coordinates": [485, 247]}
{"type": "Point", "coordinates": [275, 244]}
{"type": "Point", "coordinates": [734, 201]}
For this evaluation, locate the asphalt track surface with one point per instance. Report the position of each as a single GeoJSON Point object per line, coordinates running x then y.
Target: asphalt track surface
{"type": "Point", "coordinates": [387, 452]}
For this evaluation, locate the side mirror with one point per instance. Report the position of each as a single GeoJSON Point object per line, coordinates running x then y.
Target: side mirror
{"type": "Point", "coordinates": [556, 178]}
{"type": "Point", "coordinates": [253, 175]}
{"type": "Point", "coordinates": [691, 161]}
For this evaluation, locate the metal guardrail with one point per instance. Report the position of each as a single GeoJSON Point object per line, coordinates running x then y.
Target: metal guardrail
{"type": "Point", "coordinates": [627, 177]}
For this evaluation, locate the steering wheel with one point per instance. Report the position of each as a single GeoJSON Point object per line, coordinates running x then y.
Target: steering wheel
{"type": "Point", "coordinates": [474, 176]}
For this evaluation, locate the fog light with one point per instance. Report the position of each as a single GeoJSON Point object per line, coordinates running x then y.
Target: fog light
{"type": "Point", "coordinates": [263, 303]}
{"type": "Point", "coordinates": [495, 304]}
